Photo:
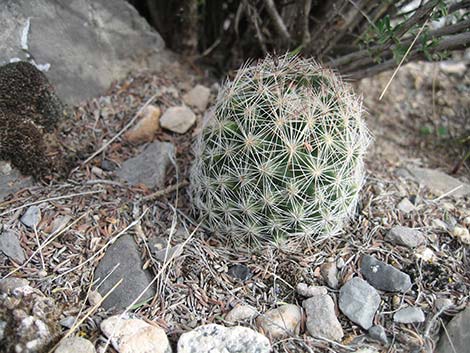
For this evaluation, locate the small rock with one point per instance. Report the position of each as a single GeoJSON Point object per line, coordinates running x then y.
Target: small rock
{"type": "Point", "coordinates": [241, 312]}
{"type": "Point", "coordinates": [405, 236]}
{"type": "Point", "coordinates": [340, 263]}
{"type": "Point", "coordinates": [60, 223]}
{"type": "Point", "coordinates": [147, 126]}
{"type": "Point", "coordinates": [439, 224]}
{"type": "Point", "coordinates": [462, 234]}
{"type": "Point", "coordinates": [68, 321]}
{"type": "Point", "coordinates": [240, 272]}
{"type": "Point", "coordinates": [135, 335]}
{"type": "Point", "coordinates": [384, 277]}
{"type": "Point", "coordinates": [219, 339]}
{"type": "Point", "coordinates": [31, 217]}
{"type": "Point", "coordinates": [3, 326]}
{"type": "Point", "coordinates": [94, 298]}
{"type": "Point", "coordinates": [10, 246]}
{"type": "Point", "coordinates": [149, 167]}
{"type": "Point", "coordinates": [329, 273]}
{"type": "Point", "coordinates": [178, 119]}
{"type": "Point", "coordinates": [280, 322]}
{"type": "Point", "coordinates": [367, 350]}
{"type": "Point", "coordinates": [8, 285]}
{"type": "Point", "coordinates": [453, 67]}
{"type": "Point", "coordinates": [321, 318]}
{"type": "Point", "coordinates": [75, 345]}
{"type": "Point", "coordinates": [440, 183]}
{"type": "Point", "coordinates": [456, 337]}
{"type": "Point", "coordinates": [378, 333]}
{"type": "Point", "coordinates": [406, 206]}
{"type": "Point", "coordinates": [124, 253]}
{"type": "Point", "coordinates": [359, 301]}
{"type": "Point", "coordinates": [425, 253]}
{"type": "Point", "coordinates": [443, 303]}
{"type": "Point", "coordinates": [310, 291]}
{"type": "Point", "coordinates": [466, 221]}
{"type": "Point", "coordinates": [11, 180]}
{"type": "Point", "coordinates": [162, 251]}
{"type": "Point", "coordinates": [409, 315]}
{"type": "Point", "coordinates": [198, 97]}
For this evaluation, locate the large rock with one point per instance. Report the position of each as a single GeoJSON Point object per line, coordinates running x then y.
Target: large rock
{"type": "Point", "coordinates": [219, 339]}
{"type": "Point", "coordinates": [85, 45]}
{"type": "Point", "coordinates": [321, 318]}
{"type": "Point", "coordinates": [124, 253]}
{"type": "Point", "coordinates": [129, 335]}
{"type": "Point", "coordinates": [359, 301]}
{"type": "Point", "coordinates": [149, 167]}
{"type": "Point", "coordinates": [457, 332]}
{"type": "Point", "coordinates": [438, 182]}
{"type": "Point", "coordinates": [383, 276]}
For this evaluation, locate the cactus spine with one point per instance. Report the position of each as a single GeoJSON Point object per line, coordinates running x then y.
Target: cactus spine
{"type": "Point", "coordinates": [280, 156]}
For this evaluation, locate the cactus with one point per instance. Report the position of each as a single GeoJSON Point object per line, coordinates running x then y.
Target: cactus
{"type": "Point", "coordinates": [280, 156]}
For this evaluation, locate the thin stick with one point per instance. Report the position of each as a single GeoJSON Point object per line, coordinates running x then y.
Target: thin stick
{"type": "Point", "coordinates": [167, 190]}
{"type": "Point", "coordinates": [129, 124]}
{"type": "Point", "coordinates": [403, 59]}
{"type": "Point", "coordinates": [39, 247]}
{"type": "Point", "coordinates": [51, 199]}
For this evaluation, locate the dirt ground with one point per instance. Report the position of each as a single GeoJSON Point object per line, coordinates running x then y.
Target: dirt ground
{"type": "Point", "coordinates": [422, 120]}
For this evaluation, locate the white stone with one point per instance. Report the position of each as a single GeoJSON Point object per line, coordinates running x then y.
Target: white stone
{"type": "Point", "coordinates": [241, 312]}
{"type": "Point", "coordinates": [406, 206]}
{"type": "Point", "coordinates": [310, 291]}
{"type": "Point", "coordinates": [214, 338]}
{"type": "Point", "coordinates": [198, 97]}
{"type": "Point", "coordinates": [280, 322]}
{"type": "Point", "coordinates": [135, 336]}
{"type": "Point", "coordinates": [409, 315]}
{"type": "Point", "coordinates": [75, 345]}
{"type": "Point", "coordinates": [178, 119]}
{"type": "Point", "coordinates": [462, 234]}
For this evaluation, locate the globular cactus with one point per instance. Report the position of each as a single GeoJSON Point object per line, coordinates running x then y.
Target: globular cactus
{"type": "Point", "coordinates": [280, 156]}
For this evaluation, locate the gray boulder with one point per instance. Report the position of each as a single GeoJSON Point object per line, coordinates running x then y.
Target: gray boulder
{"type": "Point", "coordinates": [122, 259]}
{"type": "Point", "coordinates": [83, 45]}
{"type": "Point", "coordinates": [384, 277]}
{"type": "Point", "coordinates": [457, 338]}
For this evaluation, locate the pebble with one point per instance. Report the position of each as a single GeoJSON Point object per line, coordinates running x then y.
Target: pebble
{"type": "Point", "coordinates": [123, 259]}
{"type": "Point", "coordinates": [321, 318]}
{"type": "Point", "coordinates": [453, 67]}
{"type": "Point", "coordinates": [31, 217]}
{"type": "Point", "coordinates": [378, 333]}
{"type": "Point", "coordinates": [9, 284]}
{"type": "Point", "coordinates": [241, 312]}
{"type": "Point", "coordinates": [135, 335]}
{"type": "Point", "coordinates": [329, 272]}
{"type": "Point", "coordinates": [406, 206]}
{"type": "Point", "coordinates": [456, 337]}
{"type": "Point", "coordinates": [11, 247]}
{"type": "Point", "coordinates": [462, 234]}
{"type": "Point", "coordinates": [219, 339]}
{"type": "Point", "coordinates": [310, 291]}
{"type": "Point", "coordinates": [426, 254]}
{"type": "Point", "coordinates": [409, 315]}
{"type": "Point", "coordinates": [198, 97]}
{"type": "Point", "coordinates": [68, 321]}
{"type": "Point", "coordinates": [280, 322]}
{"type": "Point", "coordinates": [146, 127]}
{"type": "Point", "coordinates": [359, 301]}
{"type": "Point", "coordinates": [384, 277]}
{"type": "Point", "coordinates": [443, 303]}
{"type": "Point", "coordinates": [75, 345]}
{"type": "Point", "coordinates": [178, 119]}
{"type": "Point", "coordinates": [240, 272]}
{"type": "Point", "coordinates": [340, 263]}
{"type": "Point", "coordinates": [405, 236]}
{"type": "Point", "coordinates": [149, 167]}
{"type": "Point", "coordinates": [466, 221]}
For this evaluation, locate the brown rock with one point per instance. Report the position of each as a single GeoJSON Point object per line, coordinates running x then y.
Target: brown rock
{"type": "Point", "coordinates": [147, 126]}
{"type": "Point", "coordinates": [280, 322]}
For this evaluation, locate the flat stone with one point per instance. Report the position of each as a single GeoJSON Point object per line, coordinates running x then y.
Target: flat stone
{"type": "Point", "coordinates": [406, 206]}
{"type": "Point", "coordinates": [198, 97]}
{"type": "Point", "coordinates": [359, 301]}
{"type": "Point", "coordinates": [409, 315]}
{"type": "Point", "coordinates": [280, 322]}
{"type": "Point", "coordinates": [405, 236]}
{"type": "Point", "coordinates": [75, 345]}
{"type": "Point", "coordinates": [329, 272]}
{"type": "Point", "coordinates": [384, 277]}
{"type": "Point", "coordinates": [68, 321]}
{"type": "Point", "coordinates": [10, 246]}
{"type": "Point", "coordinates": [321, 318]}
{"type": "Point", "coordinates": [123, 251]}
{"type": "Point", "coordinates": [178, 119]}
{"type": "Point", "coordinates": [440, 183]}
{"type": "Point", "coordinates": [9, 284]}
{"type": "Point", "coordinates": [240, 272]}
{"type": "Point", "coordinates": [219, 339]}
{"type": "Point", "coordinates": [31, 217]}
{"type": "Point", "coordinates": [241, 312]}
{"type": "Point", "coordinates": [146, 127]}
{"type": "Point", "coordinates": [82, 46]}
{"type": "Point", "coordinates": [130, 335]}
{"type": "Point", "coordinates": [378, 333]}
{"type": "Point", "coordinates": [11, 179]}
{"type": "Point", "coordinates": [456, 335]}
{"type": "Point", "coordinates": [149, 167]}
{"type": "Point", "coordinates": [310, 291]}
